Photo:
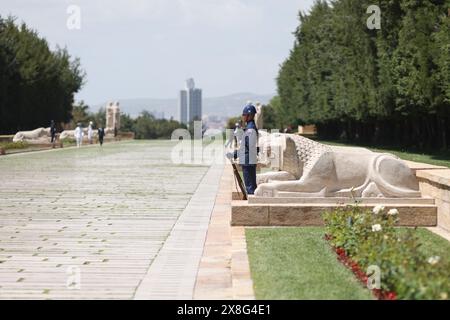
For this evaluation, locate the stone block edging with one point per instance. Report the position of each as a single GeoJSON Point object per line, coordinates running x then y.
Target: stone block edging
{"type": "Point", "coordinates": [244, 214]}
{"type": "Point", "coordinates": [224, 270]}
{"type": "Point", "coordinates": [435, 183]}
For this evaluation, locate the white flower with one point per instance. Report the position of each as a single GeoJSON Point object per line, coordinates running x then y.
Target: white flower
{"type": "Point", "coordinates": [376, 228]}
{"type": "Point", "coordinates": [433, 260]}
{"type": "Point", "coordinates": [393, 212]}
{"type": "Point", "coordinates": [379, 208]}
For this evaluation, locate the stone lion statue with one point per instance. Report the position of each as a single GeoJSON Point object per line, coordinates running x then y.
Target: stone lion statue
{"type": "Point", "coordinates": [40, 135]}
{"type": "Point", "coordinates": [311, 169]}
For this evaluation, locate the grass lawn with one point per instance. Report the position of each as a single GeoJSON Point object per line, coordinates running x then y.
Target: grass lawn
{"type": "Point", "coordinates": [433, 245]}
{"type": "Point", "coordinates": [298, 264]}
{"type": "Point", "coordinates": [435, 158]}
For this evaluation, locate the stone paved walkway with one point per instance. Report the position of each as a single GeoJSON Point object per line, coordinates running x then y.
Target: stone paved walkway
{"type": "Point", "coordinates": [173, 273]}
{"type": "Point", "coordinates": [104, 214]}
{"type": "Point", "coordinates": [224, 271]}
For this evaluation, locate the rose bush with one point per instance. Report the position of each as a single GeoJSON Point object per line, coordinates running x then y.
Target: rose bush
{"type": "Point", "coordinates": [370, 238]}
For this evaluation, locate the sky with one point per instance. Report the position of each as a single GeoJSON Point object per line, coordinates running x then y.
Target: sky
{"type": "Point", "coordinates": [148, 48]}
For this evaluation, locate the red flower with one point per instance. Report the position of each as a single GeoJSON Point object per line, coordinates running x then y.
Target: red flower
{"type": "Point", "coordinates": [340, 251]}
{"type": "Point", "coordinates": [391, 296]}
{"type": "Point", "coordinates": [361, 275]}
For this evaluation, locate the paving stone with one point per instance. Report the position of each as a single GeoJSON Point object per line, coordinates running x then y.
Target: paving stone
{"type": "Point", "coordinates": [224, 271]}
{"type": "Point", "coordinates": [106, 211]}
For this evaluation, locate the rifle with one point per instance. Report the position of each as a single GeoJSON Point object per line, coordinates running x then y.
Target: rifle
{"type": "Point", "coordinates": [238, 178]}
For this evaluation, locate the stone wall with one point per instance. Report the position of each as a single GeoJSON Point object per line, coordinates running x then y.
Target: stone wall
{"type": "Point", "coordinates": [6, 138]}
{"type": "Point", "coordinates": [434, 182]}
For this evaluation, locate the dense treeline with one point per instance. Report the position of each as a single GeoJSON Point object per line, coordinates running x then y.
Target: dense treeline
{"type": "Point", "coordinates": [374, 86]}
{"type": "Point", "coordinates": [36, 84]}
{"type": "Point", "coordinates": [145, 126]}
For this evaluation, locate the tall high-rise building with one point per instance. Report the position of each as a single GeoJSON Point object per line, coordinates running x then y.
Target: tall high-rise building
{"type": "Point", "coordinates": [195, 104]}
{"type": "Point", "coordinates": [182, 107]}
{"type": "Point", "coordinates": [190, 103]}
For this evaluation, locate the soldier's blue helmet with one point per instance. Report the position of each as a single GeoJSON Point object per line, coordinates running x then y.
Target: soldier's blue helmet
{"type": "Point", "coordinates": [249, 109]}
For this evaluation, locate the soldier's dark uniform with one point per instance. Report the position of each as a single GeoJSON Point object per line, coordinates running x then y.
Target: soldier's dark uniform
{"type": "Point", "coordinates": [101, 135]}
{"type": "Point", "coordinates": [248, 151]}
{"type": "Point", "coordinates": [53, 130]}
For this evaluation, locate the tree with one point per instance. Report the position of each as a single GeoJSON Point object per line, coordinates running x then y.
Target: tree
{"type": "Point", "coordinates": [100, 118]}
{"type": "Point", "coordinates": [126, 123]}
{"type": "Point", "coordinates": [374, 86]}
{"type": "Point", "coordinates": [36, 84]}
{"type": "Point", "coordinates": [231, 123]}
{"type": "Point", "coordinates": [270, 114]}
{"type": "Point", "coordinates": [442, 76]}
{"type": "Point", "coordinates": [80, 114]}
{"type": "Point", "coordinates": [146, 126]}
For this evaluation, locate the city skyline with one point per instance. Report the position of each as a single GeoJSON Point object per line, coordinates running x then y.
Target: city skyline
{"type": "Point", "coordinates": [190, 103]}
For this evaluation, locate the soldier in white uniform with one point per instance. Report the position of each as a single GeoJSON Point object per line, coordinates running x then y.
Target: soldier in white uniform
{"type": "Point", "coordinates": [90, 132]}
{"type": "Point", "coordinates": [79, 135]}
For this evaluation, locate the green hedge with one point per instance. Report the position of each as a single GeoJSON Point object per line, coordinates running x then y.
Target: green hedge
{"type": "Point", "coordinates": [370, 238]}
{"type": "Point", "coordinates": [14, 145]}
{"type": "Point", "coordinates": [67, 141]}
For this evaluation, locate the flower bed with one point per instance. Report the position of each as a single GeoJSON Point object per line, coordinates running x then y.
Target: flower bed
{"type": "Point", "coordinates": [365, 239]}
{"type": "Point", "coordinates": [359, 273]}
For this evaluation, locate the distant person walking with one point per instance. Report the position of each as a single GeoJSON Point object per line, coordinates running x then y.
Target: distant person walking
{"type": "Point", "coordinates": [79, 135]}
{"type": "Point", "coordinates": [238, 133]}
{"type": "Point", "coordinates": [101, 135]}
{"type": "Point", "coordinates": [53, 131]}
{"type": "Point", "coordinates": [90, 132]}
{"type": "Point", "coordinates": [233, 140]}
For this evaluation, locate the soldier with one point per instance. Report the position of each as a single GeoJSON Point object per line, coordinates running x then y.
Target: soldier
{"type": "Point", "coordinates": [101, 135]}
{"type": "Point", "coordinates": [248, 149]}
{"type": "Point", "coordinates": [53, 130]}
{"type": "Point", "coordinates": [90, 132]}
{"type": "Point", "coordinates": [79, 135]}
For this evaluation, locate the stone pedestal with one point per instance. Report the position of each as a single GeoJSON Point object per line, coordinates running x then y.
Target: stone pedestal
{"type": "Point", "coordinates": [245, 213]}
{"type": "Point", "coordinates": [436, 184]}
